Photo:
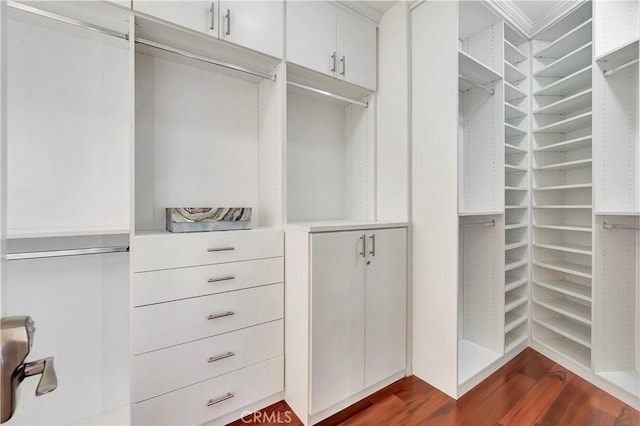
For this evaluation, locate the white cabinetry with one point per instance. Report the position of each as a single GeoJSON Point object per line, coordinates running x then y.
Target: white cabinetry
{"type": "Point", "coordinates": [332, 41]}
{"type": "Point", "coordinates": [253, 24]}
{"type": "Point", "coordinates": [355, 329]}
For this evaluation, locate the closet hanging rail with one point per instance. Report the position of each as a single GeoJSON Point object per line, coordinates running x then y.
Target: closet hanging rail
{"type": "Point", "coordinates": [66, 20]}
{"type": "Point", "coordinates": [488, 224]}
{"type": "Point", "coordinates": [64, 253]}
{"type": "Point", "coordinates": [202, 58]}
{"type": "Point", "coordinates": [329, 94]}
{"type": "Point", "coordinates": [616, 69]}
{"type": "Point", "coordinates": [478, 85]}
{"type": "Point", "coordinates": [606, 225]}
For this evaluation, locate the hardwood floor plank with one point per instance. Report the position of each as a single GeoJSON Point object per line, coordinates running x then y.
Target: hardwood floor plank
{"type": "Point", "coordinates": [536, 402]}
{"type": "Point", "coordinates": [628, 417]}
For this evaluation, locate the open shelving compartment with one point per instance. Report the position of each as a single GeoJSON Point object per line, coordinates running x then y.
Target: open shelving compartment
{"type": "Point", "coordinates": [208, 134]}
{"type": "Point", "coordinates": [562, 186]}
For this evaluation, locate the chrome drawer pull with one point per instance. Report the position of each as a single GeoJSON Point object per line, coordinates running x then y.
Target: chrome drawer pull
{"type": "Point", "coordinates": [227, 278]}
{"type": "Point", "coordinates": [221, 315]}
{"type": "Point", "coordinates": [213, 250]}
{"type": "Point", "coordinates": [221, 356]}
{"type": "Point", "coordinates": [224, 397]}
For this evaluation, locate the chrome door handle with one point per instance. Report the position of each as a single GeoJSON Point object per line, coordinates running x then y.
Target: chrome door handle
{"type": "Point", "coordinates": [228, 18]}
{"type": "Point", "coordinates": [220, 315]}
{"type": "Point", "coordinates": [343, 61]}
{"type": "Point", "coordinates": [333, 61]}
{"type": "Point", "coordinates": [373, 244]}
{"type": "Point", "coordinates": [215, 249]}
{"type": "Point", "coordinates": [363, 253]}
{"type": "Point", "coordinates": [48, 379]}
{"type": "Point", "coordinates": [215, 280]}
{"type": "Point", "coordinates": [213, 16]}
{"type": "Point", "coordinates": [215, 358]}
{"type": "Point", "coordinates": [224, 397]}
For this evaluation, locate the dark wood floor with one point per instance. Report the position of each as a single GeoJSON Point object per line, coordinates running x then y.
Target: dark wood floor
{"type": "Point", "coordinates": [530, 390]}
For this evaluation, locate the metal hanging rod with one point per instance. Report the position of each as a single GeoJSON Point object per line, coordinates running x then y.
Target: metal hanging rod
{"type": "Point", "coordinates": [66, 20]}
{"type": "Point", "coordinates": [329, 94]}
{"type": "Point", "coordinates": [478, 85]}
{"type": "Point", "coordinates": [203, 59]}
{"type": "Point", "coordinates": [64, 253]}
{"type": "Point", "coordinates": [488, 224]}
{"type": "Point", "coordinates": [606, 225]}
{"type": "Point", "coordinates": [616, 69]}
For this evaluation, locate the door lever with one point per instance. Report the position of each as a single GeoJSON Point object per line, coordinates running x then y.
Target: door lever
{"type": "Point", "coordinates": [48, 379]}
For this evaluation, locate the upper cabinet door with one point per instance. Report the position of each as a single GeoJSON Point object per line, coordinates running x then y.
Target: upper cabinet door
{"type": "Point", "coordinates": [258, 25]}
{"type": "Point", "coordinates": [357, 43]}
{"type": "Point", "coordinates": [201, 16]}
{"type": "Point", "coordinates": [311, 35]}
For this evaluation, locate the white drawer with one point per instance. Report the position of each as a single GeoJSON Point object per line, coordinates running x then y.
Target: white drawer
{"type": "Point", "coordinates": [166, 250]}
{"type": "Point", "coordinates": [197, 404]}
{"type": "Point", "coordinates": [181, 283]}
{"type": "Point", "coordinates": [166, 324]}
{"type": "Point", "coordinates": [159, 372]}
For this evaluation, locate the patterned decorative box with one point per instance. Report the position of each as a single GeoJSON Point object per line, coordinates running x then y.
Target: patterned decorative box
{"type": "Point", "coordinates": [199, 219]}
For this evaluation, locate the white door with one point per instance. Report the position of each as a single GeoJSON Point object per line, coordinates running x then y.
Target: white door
{"type": "Point", "coordinates": [311, 35]}
{"type": "Point", "coordinates": [337, 317]}
{"type": "Point", "coordinates": [258, 25]}
{"type": "Point", "coordinates": [357, 43]}
{"type": "Point", "coordinates": [386, 304]}
{"type": "Point", "coordinates": [201, 16]}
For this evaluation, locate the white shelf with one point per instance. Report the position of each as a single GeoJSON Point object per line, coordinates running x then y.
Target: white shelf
{"type": "Point", "coordinates": [563, 187]}
{"type": "Point", "coordinates": [516, 207]}
{"type": "Point", "coordinates": [565, 207]}
{"type": "Point", "coordinates": [568, 64]}
{"type": "Point", "coordinates": [618, 56]}
{"type": "Point", "coordinates": [485, 213]}
{"type": "Point", "coordinates": [340, 225]}
{"type": "Point", "coordinates": [566, 347]}
{"type": "Point", "coordinates": [570, 41]}
{"type": "Point", "coordinates": [576, 228]}
{"type": "Point", "coordinates": [511, 130]}
{"type": "Point", "coordinates": [617, 213]}
{"type": "Point", "coordinates": [518, 226]}
{"type": "Point", "coordinates": [512, 54]}
{"type": "Point", "coordinates": [512, 94]}
{"type": "Point", "coordinates": [627, 380]}
{"type": "Point", "coordinates": [473, 358]}
{"type": "Point", "coordinates": [566, 267]}
{"type": "Point", "coordinates": [513, 340]}
{"type": "Point", "coordinates": [511, 149]}
{"type": "Point", "coordinates": [515, 188]}
{"type": "Point", "coordinates": [569, 288]}
{"type": "Point", "coordinates": [565, 247]}
{"type": "Point", "coordinates": [578, 333]}
{"type": "Point", "coordinates": [515, 283]}
{"type": "Point", "coordinates": [512, 112]}
{"type": "Point", "coordinates": [510, 168]}
{"type": "Point", "coordinates": [568, 145]}
{"type": "Point", "coordinates": [471, 68]}
{"type": "Point", "coordinates": [515, 264]}
{"type": "Point", "coordinates": [568, 85]}
{"type": "Point", "coordinates": [513, 320]}
{"type": "Point", "coordinates": [573, 310]}
{"type": "Point", "coordinates": [514, 246]}
{"type": "Point", "coordinates": [568, 165]}
{"type": "Point", "coordinates": [15, 234]}
{"type": "Point", "coordinates": [512, 74]}
{"type": "Point", "coordinates": [511, 302]}
{"type": "Point", "coordinates": [567, 23]}
{"type": "Point", "coordinates": [568, 125]}
{"type": "Point", "coordinates": [575, 102]}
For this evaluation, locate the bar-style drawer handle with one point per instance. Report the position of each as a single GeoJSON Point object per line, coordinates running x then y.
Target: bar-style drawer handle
{"type": "Point", "coordinates": [215, 249]}
{"type": "Point", "coordinates": [221, 356]}
{"type": "Point", "coordinates": [227, 278]}
{"type": "Point", "coordinates": [220, 315]}
{"type": "Point", "coordinates": [224, 397]}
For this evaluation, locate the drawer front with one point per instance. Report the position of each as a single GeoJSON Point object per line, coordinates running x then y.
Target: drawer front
{"type": "Point", "coordinates": [166, 251]}
{"type": "Point", "coordinates": [163, 371]}
{"type": "Point", "coordinates": [206, 401]}
{"type": "Point", "coordinates": [181, 283]}
{"type": "Point", "coordinates": [167, 324]}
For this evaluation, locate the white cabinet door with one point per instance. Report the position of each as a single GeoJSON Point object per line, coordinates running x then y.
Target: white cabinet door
{"type": "Point", "coordinates": [201, 16]}
{"type": "Point", "coordinates": [357, 42]}
{"type": "Point", "coordinates": [311, 35]}
{"type": "Point", "coordinates": [386, 304]}
{"type": "Point", "coordinates": [337, 317]}
{"type": "Point", "coordinates": [258, 25]}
